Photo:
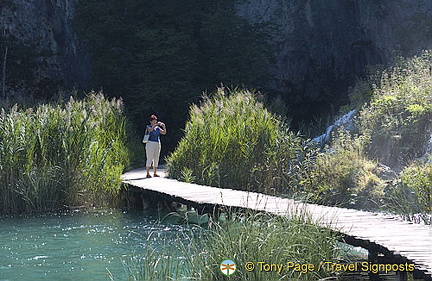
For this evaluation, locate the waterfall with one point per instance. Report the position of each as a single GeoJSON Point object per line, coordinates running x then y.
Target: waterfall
{"type": "Point", "coordinates": [345, 120]}
{"type": "Point", "coordinates": [428, 155]}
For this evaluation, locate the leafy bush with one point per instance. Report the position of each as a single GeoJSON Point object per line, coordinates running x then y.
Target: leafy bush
{"type": "Point", "coordinates": [232, 141]}
{"type": "Point", "coordinates": [418, 177]}
{"type": "Point", "coordinates": [53, 156]}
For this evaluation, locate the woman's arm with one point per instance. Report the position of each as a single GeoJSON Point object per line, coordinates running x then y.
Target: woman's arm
{"type": "Point", "coordinates": [162, 127]}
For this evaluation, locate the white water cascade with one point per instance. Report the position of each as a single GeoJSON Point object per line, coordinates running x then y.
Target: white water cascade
{"type": "Point", "coordinates": [428, 155]}
{"type": "Point", "coordinates": [345, 120]}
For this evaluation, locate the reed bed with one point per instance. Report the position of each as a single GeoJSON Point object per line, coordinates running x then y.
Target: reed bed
{"type": "Point", "coordinates": [157, 265]}
{"type": "Point", "coordinates": [241, 237]}
{"type": "Point", "coordinates": [266, 238]}
{"type": "Point", "coordinates": [231, 140]}
{"type": "Point", "coordinates": [63, 155]}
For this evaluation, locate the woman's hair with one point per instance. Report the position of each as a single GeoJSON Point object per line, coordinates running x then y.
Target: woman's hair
{"type": "Point", "coordinates": [153, 117]}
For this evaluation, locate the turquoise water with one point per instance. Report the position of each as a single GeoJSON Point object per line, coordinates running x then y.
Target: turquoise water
{"type": "Point", "coordinates": [91, 245]}
{"type": "Point", "coordinates": [78, 245]}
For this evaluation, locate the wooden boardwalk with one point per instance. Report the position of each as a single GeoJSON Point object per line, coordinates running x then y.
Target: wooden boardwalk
{"type": "Point", "coordinates": [401, 241]}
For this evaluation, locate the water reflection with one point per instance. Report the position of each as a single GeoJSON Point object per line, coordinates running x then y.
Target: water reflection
{"type": "Point", "coordinates": [90, 245]}
{"type": "Point", "coordinates": [77, 245]}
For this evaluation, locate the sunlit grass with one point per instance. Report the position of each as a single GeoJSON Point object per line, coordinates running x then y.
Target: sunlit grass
{"type": "Point", "coordinates": [241, 237]}
{"type": "Point", "coordinates": [412, 194]}
{"type": "Point", "coordinates": [232, 141]}
{"type": "Point", "coordinates": [343, 175]}
{"type": "Point", "coordinates": [398, 116]}
{"type": "Point", "coordinates": [393, 130]}
{"type": "Point", "coordinates": [62, 155]}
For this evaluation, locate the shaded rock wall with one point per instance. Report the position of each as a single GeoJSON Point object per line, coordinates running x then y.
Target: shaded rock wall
{"type": "Point", "coordinates": [40, 38]}
{"type": "Point", "coordinates": [324, 45]}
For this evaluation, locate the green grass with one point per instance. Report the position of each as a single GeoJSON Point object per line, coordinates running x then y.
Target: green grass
{"type": "Point", "coordinates": [398, 116]}
{"type": "Point", "coordinates": [156, 265]}
{"type": "Point", "coordinates": [242, 237]}
{"type": "Point", "coordinates": [397, 120]}
{"type": "Point", "coordinates": [343, 175]}
{"type": "Point", "coordinates": [393, 128]}
{"type": "Point", "coordinates": [411, 194]}
{"type": "Point", "coordinates": [63, 155]}
{"type": "Point", "coordinates": [232, 141]}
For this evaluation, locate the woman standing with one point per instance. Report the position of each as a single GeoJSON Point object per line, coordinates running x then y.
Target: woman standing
{"type": "Point", "coordinates": [153, 146]}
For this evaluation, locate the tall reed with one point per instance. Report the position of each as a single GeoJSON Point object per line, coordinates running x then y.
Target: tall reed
{"type": "Point", "coordinates": [68, 154]}
{"type": "Point", "coordinates": [248, 237]}
{"type": "Point", "coordinates": [232, 141]}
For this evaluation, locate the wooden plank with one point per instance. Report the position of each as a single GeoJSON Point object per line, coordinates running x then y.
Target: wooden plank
{"type": "Point", "coordinates": [395, 236]}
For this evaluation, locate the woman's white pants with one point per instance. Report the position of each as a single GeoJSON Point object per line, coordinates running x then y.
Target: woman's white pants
{"type": "Point", "coordinates": [153, 149]}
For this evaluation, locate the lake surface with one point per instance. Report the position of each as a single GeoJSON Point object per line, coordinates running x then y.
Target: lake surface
{"type": "Point", "coordinates": [77, 245]}
{"type": "Point", "coordinates": [90, 245]}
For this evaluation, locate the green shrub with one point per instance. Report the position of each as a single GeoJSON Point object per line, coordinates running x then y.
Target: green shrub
{"type": "Point", "coordinates": [401, 107]}
{"type": "Point", "coordinates": [411, 196]}
{"type": "Point", "coordinates": [363, 90]}
{"type": "Point", "coordinates": [232, 141]}
{"type": "Point", "coordinates": [418, 177]}
{"type": "Point", "coordinates": [69, 154]}
{"type": "Point", "coordinates": [343, 175]}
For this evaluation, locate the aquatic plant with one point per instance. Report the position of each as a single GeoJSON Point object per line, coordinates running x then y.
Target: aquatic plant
{"type": "Point", "coordinates": [265, 238]}
{"type": "Point", "coordinates": [232, 141]}
{"type": "Point", "coordinates": [243, 237]}
{"type": "Point", "coordinates": [155, 265]}
{"type": "Point", "coordinates": [67, 154]}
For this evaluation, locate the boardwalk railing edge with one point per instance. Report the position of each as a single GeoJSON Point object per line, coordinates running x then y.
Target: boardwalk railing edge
{"type": "Point", "coordinates": [401, 241]}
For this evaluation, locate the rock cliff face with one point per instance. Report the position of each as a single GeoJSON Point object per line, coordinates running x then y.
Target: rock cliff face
{"type": "Point", "coordinates": [324, 45]}
{"type": "Point", "coordinates": [42, 48]}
